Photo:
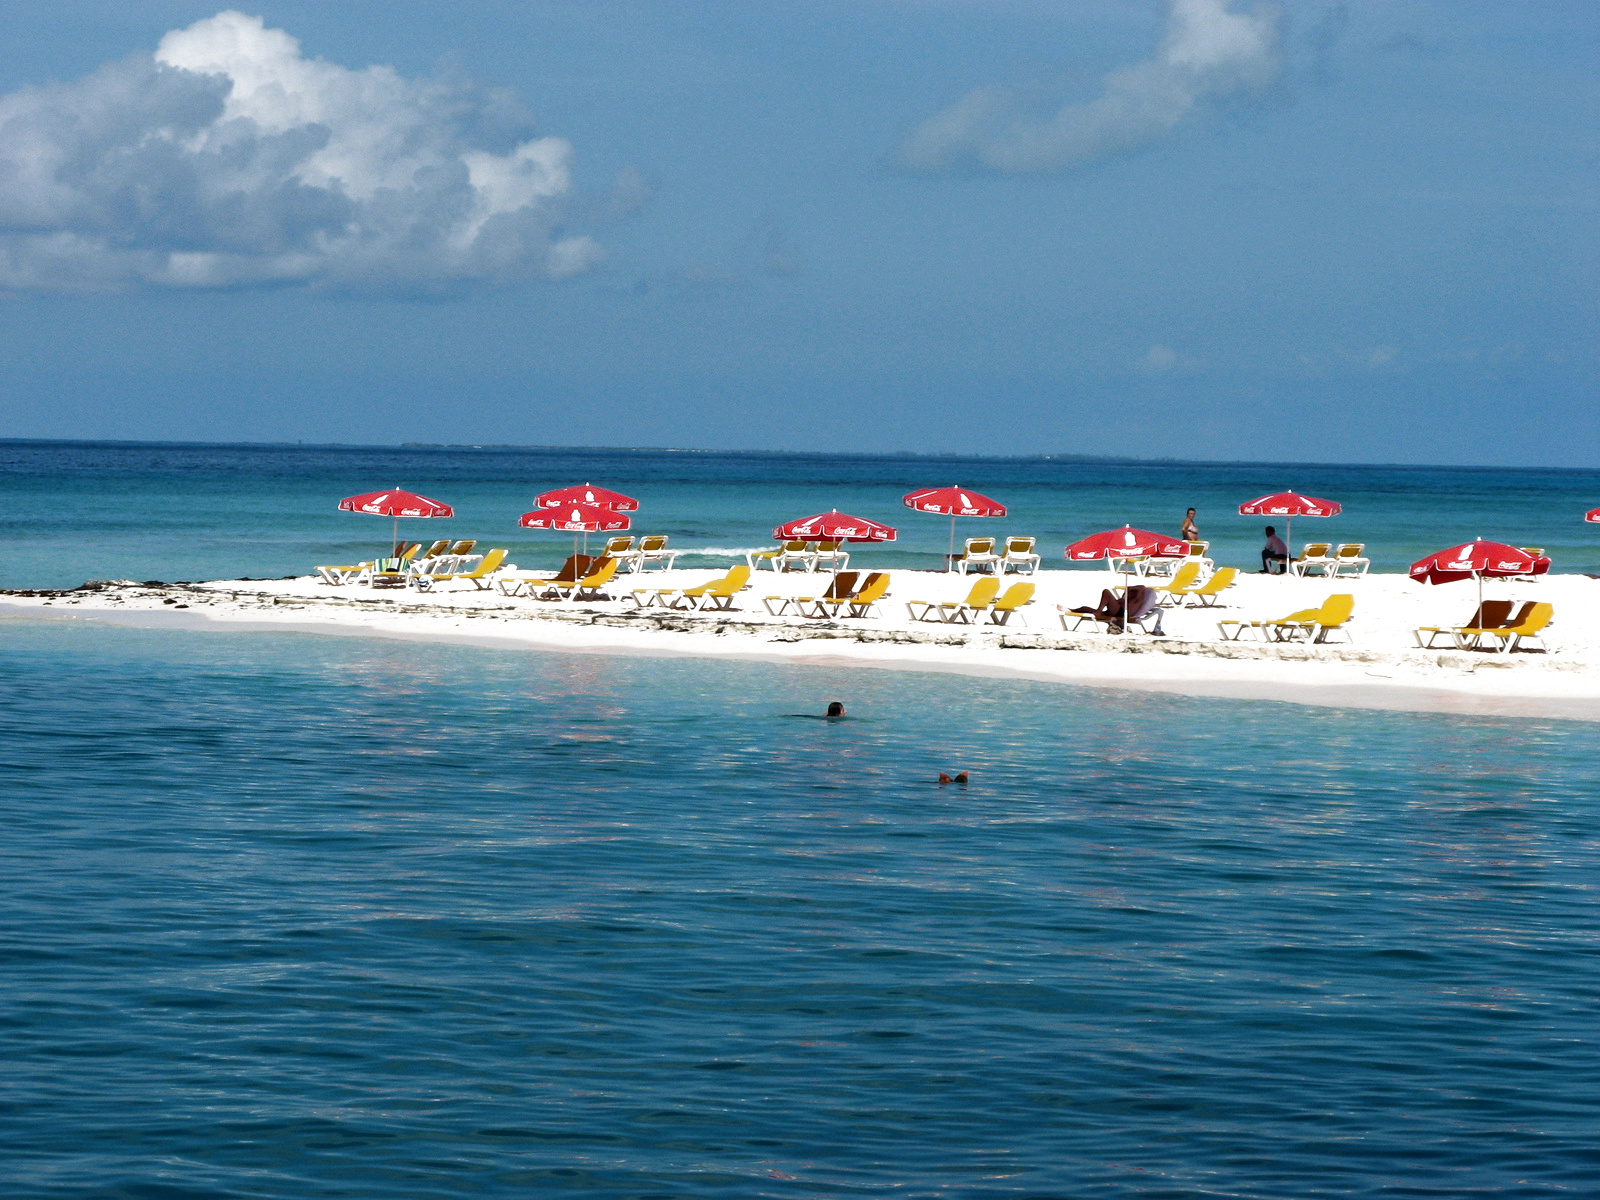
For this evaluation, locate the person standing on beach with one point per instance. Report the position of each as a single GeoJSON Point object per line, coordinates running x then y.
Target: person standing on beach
{"type": "Point", "coordinates": [1190, 532]}
{"type": "Point", "coordinates": [1274, 552]}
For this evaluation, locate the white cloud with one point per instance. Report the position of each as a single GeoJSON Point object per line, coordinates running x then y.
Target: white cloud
{"type": "Point", "coordinates": [228, 158]}
{"type": "Point", "coordinates": [1207, 52]}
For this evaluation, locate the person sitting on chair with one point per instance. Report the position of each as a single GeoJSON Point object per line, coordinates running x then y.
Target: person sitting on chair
{"type": "Point", "coordinates": [1274, 552]}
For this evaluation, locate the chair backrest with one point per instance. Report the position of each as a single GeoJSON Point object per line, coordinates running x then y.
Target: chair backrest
{"type": "Point", "coordinates": [576, 566]}
{"type": "Point", "coordinates": [1351, 549]}
{"type": "Point", "coordinates": [980, 546]}
{"type": "Point", "coordinates": [1222, 579]}
{"type": "Point", "coordinates": [1184, 577]}
{"type": "Point", "coordinates": [655, 541]}
{"type": "Point", "coordinates": [1016, 596]}
{"type": "Point", "coordinates": [843, 584]}
{"type": "Point", "coordinates": [464, 547]}
{"type": "Point", "coordinates": [600, 572]}
{"type": "Point", "coordinates": [735, 579]}
{"type": "Point", "coordinates": [872, 589]}
{"type": "Point", "coordinates": [617, 545]}
{"type": "Point", "coordinates": [828, 547]}
{"type": "Point", "coordinates": [491, 562]}
{"type": "Point", "coordinates": [387, 566]}
{"type": "Point", "coordinates": [1316, 550]}
{"type": "Point", "coordinates": [793, 547]}
{"type": "Point", "coordinates": [409, 551]}
{"type": "Point", "coordinates": [1540, 615]}
{"type": "Point", "coordinates": [983, 592]}
{"type": "Point", "coordinates": [1019, 545]}
{"type": "Point", "coordinates": [1492, 614]}
{"type": "Point", "coordinates": [437, 548]}
{"type": "Point", "coordinates": [1536, 551]}
{"type": "Point", "coordinates": [1198, 549]}
{"type": "Point", "coordinates": [1336, 609]}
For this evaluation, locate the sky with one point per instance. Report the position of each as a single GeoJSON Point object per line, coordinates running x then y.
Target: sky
{"type": "Point", "coordinates": [1313, 230]}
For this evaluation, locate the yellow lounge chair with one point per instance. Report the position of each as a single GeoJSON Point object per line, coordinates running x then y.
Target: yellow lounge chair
{"type": "Point", "coordinates": [576, 567]}
{"type": "Point", "coordinates": [958, 612]}
{"type": "Point", "coordinates": [1315, 624]}
{"type": "Point", "coordinates": [1011, 604]}
{"type": "Point", "coordinates": [1347, 559]}
{"type": "Point", "coordinates": [868, 595]}
{"type": "Point", "coordinates": [1491, 614]}
{"type": "Point", "coordinates": [717, 594]}
{"type": "Point", "coordinates": [802, 553]}
{"type": "Point", "coordinates": [1301, 617]}
{"type": "Point", "coordinates": [479, 576]}
{"type": "Point", "coordinates": [1185, 581]}
{"type": "Point", "coordinates": [839, 590]}
{"type": "Point", "coordinates": [830, 555]}
{"type": "Point", "coordinates": [591, 577]}
{"type": "Point", "coordinates": [1019, 556]}
{"type": "Point", "coordinates": [978, 555]}
{"type": "Point", "coordinates": [652, 548]}
{"type": "Point", "coordinates": [1208, 591]}
{"type": "Point", "coordinates": [1530, 623]}
{"type": "Point", "coordinates": [1315, 556]}
{"type": "Point", "coordinates": [617, 547]}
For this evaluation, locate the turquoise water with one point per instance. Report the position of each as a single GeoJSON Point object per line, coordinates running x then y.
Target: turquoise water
{"type": "Point", "coordinates": [291, 916]}
{"type": "Point", "coordinates": [77, 511]}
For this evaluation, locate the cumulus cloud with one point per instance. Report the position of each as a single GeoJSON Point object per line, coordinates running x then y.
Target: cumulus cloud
{"type": "Point", "coordinates": [1207, 52]}
{"type": "Point", "coordinates": [227, 158]}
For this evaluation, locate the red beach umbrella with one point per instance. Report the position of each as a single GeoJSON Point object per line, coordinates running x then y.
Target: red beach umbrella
{"type": "Point", "coordinates": [1478, 560]}
{"type": "Point", "coordinates": [1126, 543]}
{"type": "Point", "coordinates": [575, 519]}
{"type": "Point", "coordinates": [395, 503]}
{"type": "Point", "coordinates": [834, 526]}
{"type": "Point", "coordinates": [1592, 515]}
{"type": "Point", "coordinates": [957, 503]}
{"type": "Point", "coordinates": [1290, 505]}
{"type": "Point", "coordinates": [596, 497]}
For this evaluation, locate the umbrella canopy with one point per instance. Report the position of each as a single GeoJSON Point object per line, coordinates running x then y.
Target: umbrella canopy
{"type": "Point", "coordinates": [1478, 560]}
{"type": "Point", "coordinates": [595, 497]}
{"type": "Point", "coordinates": [834, 526]}
{"type": "Point", "coordinates": [954, 502]}
{"type": "Point", "coordinates": [574, 518]}
{"type": "Point", "coordinates": [1127, 542]}
{"type": "Point", "coordinates": [395, 503]}
{"type": "Point", "coordinates": [1290, 504]}
{"type": "Point", "coordinates": [1592, 515]}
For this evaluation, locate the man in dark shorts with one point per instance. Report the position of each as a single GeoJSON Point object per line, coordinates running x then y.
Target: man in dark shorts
{"type": "Point", "coordinates": [1274, 552]}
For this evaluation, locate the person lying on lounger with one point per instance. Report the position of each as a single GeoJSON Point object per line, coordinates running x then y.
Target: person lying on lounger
{"type": "Point", "coordinates": [1113, 607]}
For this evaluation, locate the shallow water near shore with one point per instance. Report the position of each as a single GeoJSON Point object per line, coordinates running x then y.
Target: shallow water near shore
{"type": "Point", "coordinates": [299, 916]}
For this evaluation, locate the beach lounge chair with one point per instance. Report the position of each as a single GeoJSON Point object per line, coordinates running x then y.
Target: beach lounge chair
{"type": "Point", "coordinates": [617, 547]}
{"type": "Point", "coordinates": [1533, 620]}
{"type": "Point", "coordinates": [1491, 614]}
{"type": "Point", "coordinates": [830, 556]}
{"type": "Point", "coordinates": [978, 555]}
{"type": "Point", "coordinates": [1184, 582]}
{"type": "Point", "coordinates": [1206, 594]}
{"type": "Point", "coordinates": [1017, 596]}
{"type": "Point", "coordinates": [1534, 552]}
{"type": "Point", "coordinates": [1314, 624]}
{"type": "Point", "coordinates": [979, 598]}
{"type": "Point", "coordinates": [839, 590]}
{"type": "Point", "coordinates": [868, 595]}
{"type": "Point", "coordinates": [796, 556]}
{"type": "Point", "coordinates": [338, 574]}
{"type": "Point", "coordinates": [718, 593]}
{"type": "Point", "coordinates": [1347, 560]}
{"type": "Point", "coordinates": [1140, 605]}
{"type": "Point", "coordinates": [756, 559]}
{"type": "Point", "coordinates": [1314, 558]}
{"type": "Point", "coordinates": [1019, 556]}
{"type": "Point", "coordinates": [465, 546]}
{"type": "Point", "coordinates": [386, 573]}
{"type": "Point", "coordinates": [511, 582]}
{"type": "Point", "coordinates": [587, 585]}
{"type": "Point", "coordinates": [480, 576]}
{"type": "Point", "coordinates": [651, 549]}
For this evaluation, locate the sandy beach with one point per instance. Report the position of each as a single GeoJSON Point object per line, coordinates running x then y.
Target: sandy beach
{"type": "Point", "coordinates": [1381, 667]}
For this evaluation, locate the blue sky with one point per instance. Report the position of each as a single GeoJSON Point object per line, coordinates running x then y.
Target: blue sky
{"type": "Point", "coordinates": [1332, 232]}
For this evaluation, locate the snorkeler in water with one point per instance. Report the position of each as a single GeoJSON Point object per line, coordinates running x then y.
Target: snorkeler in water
{"type": "Point", "coordinates": [835, 709]}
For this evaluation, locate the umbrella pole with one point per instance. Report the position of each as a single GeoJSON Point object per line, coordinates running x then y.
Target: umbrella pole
{"type": "Point", "coordinates": [950, 558]}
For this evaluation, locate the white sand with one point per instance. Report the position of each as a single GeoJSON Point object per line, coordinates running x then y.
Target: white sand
{"type": "Point", "coordinates": [1383, 668]}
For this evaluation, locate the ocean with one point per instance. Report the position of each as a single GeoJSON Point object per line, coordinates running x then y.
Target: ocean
{"type": "Point", "coordinates": [302, 916]}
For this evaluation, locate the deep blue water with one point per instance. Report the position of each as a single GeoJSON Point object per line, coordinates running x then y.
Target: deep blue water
{"type": "Point", "coordinates": [76, 511]}
{"type": "Point", "coordinates": [289, 916]}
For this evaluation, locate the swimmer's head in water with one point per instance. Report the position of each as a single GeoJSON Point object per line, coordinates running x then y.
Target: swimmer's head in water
{"type": "Point", "coordinates": [835, 709]}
